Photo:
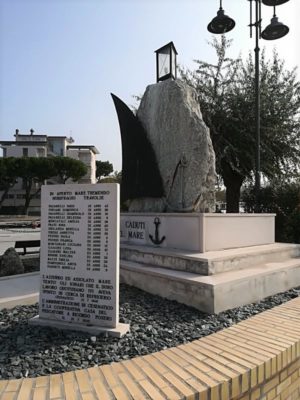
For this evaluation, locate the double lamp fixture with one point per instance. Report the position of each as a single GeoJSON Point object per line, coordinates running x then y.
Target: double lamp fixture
{"type": "Point", "coordinates": [275, 30]}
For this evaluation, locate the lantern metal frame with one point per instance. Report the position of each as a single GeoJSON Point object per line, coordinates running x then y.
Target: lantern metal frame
{"type": "Point", "coordinates": [171, 73]}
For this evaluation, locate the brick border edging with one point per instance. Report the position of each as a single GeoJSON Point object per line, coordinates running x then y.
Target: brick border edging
{"type": "Point", "coordinates": [258, 357]}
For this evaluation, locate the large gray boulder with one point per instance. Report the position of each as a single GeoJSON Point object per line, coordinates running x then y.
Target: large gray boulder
{"type": "Point", "coordinates": [171, 116]}
{"type": "Point", "coordinates": [11, 263]}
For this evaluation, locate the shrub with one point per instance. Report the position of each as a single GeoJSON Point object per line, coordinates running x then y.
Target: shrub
{"type": "Point", "coordinates": [283, 199]}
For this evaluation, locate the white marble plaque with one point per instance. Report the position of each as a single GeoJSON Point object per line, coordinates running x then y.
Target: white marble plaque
{"type": "Point", "coordinates": [80, 254]}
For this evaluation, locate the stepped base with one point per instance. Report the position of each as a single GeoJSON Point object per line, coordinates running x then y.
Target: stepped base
{"type": "Point", "coordinates": [222, 291]}
{"type": "Point", "coordinates": [211, 262]}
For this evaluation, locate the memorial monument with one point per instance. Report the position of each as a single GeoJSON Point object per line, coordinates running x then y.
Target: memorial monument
{"type": "Point", "coordinates": [168, 157]}
{"type": "Point", "coordinates": [172, 242]}
{"type": "Point", "coordinates": [80, 259]}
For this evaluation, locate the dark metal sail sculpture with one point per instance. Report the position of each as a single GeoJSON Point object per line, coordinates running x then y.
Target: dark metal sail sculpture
{"type": "Point", "coordinates": [140, 173]}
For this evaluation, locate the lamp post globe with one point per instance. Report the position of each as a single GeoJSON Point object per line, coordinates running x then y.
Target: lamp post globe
{"type": "Point", "coordinates": [221, 23]}
{"type": "Point", "coordinates": [275, 30]}
{"type": "Point", "coordinates": [274, 2]}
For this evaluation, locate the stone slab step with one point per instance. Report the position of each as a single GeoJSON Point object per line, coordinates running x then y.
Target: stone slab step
{"type": "Point", "coordinates": [13, 301]}
{"type": "Point", "coordinates": [215, 293]}
{"type": "Point", "coordinates": [209, 263]}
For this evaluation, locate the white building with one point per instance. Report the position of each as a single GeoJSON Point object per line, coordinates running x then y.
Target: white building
{"type": "Point", "coordinates": [44, 146]}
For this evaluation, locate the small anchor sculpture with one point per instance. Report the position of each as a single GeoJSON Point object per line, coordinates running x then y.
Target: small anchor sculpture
{"type": "Point", "coordinates": [156, 240]}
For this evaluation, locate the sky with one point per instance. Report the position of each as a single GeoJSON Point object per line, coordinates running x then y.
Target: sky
{"type": "Point", "coordinates": [61, 59]}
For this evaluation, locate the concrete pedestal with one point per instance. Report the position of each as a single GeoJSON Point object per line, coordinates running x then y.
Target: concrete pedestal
{"type": "Point", "coordinates": [212, 262]}
{"type": "Point", "coordinates": [199, 232]}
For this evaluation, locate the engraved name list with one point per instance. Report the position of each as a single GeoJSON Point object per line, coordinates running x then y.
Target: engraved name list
{"type": "Point", "coordinates": [80, 254]}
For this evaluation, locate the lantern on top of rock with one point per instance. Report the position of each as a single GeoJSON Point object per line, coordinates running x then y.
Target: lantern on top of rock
{"type": "Point", "coordinates": [166, 67]}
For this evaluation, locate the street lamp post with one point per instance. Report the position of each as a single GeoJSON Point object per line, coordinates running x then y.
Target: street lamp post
{"type": "Point", "coordinates": [257, 25]}
{"type": "Point", "coordinates": [275, 30]}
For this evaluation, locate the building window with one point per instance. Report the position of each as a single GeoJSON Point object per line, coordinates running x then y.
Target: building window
{"type": "Point", "coordinates": [25, 151]}
{"type": "Point", "coordinates": [9, 196]}
{"type": "Point", "coordinates": [4, 152]}
{"type": "Point", "coordinates": [40, 152]}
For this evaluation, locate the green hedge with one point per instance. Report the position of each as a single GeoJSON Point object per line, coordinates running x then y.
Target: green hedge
{"type": "Point", "coordinates": [283, 199]}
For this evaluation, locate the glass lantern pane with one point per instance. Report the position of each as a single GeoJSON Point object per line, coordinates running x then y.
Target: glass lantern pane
{"type": "Point", "coordinates": [173, 63]}
{"type": "Point", "coordinates": [163, 64]}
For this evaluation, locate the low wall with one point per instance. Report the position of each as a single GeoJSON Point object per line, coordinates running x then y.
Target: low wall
{"type": "Point", "coordinates": [285, 385]}
{"type": "Point", "coordinates": [257, 359]}
{"type": "Point", "coordinates": [19, 289]}
{"type": "Point", "coordinates": [197, 232]}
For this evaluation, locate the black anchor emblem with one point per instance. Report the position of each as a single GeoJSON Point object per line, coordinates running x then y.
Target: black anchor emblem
{"type": "Point", "coordinates": [156, 240]}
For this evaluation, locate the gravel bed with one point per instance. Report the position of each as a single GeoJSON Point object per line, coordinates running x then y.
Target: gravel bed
{"type": "Point", "coordinates": [155, 324]}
